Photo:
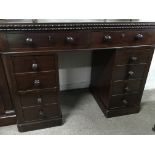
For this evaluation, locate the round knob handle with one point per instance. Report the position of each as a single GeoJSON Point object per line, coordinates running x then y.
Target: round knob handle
{"type": "Point", "coordinates": [29, 40]}
{"type": "Point", "coordinates": [39, 100]}
{"type": "Point", "coordinates": [36, 83]}
{"type": "Point", "coordinates": [125, 102]}
{"type": "Point", "coordinates": [107, 38]}
{"type": "Point", "coordinates": [34, 66]}
{"type": "Point", "coordinates": [131, 73]}
{"type": "Point", "coordinates": [134, 59]}
{"type": "Point", "coordinates": [126, 89]}
{"type": "Point", "coordinates": [139, 36]}
{"type": "Point", "coordinates": [70, 40]}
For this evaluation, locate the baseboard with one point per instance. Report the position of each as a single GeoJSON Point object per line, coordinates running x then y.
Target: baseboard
{"type": "Point", "coordinates": [77, 85]}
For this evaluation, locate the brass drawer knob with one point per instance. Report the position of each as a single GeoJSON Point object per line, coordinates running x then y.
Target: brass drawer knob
{"type": "Point", "coordinates": [131, 73]}
{"type": "Point", "coordinates": [70, 40]}
{"type": "Point", "coordinates": [139, 36]}
{"type": "Point", "coordinates": [127, 89]}
{"type": "Point", "coordinates": [34, 66]}
{"type": "Point", "coordinates": [36, 83]}
{"type": "Point", "coordinates": [125, 102]}
{"type": "Point", "coordinates": [134, 59]}
{"type": "Point", "coordinates": [107, 38]}
{"type": "Point", "coordinates": [29, 40]}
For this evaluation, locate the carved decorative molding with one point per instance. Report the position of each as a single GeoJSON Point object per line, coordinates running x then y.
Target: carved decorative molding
{"type": "Point", "coordinates": [75, 26]}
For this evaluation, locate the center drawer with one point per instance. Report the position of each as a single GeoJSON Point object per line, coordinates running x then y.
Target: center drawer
{"type": "Point", "coordinates": [54, 40]}
{"type": "Point", "coordinates": [32, 81]}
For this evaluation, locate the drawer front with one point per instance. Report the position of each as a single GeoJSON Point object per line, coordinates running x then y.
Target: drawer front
{"type": "Point", "coordinates": [3, 42]}
{"type": "Point", "coordinates": [133, 56]}
{"type": "Point", "coordinates": [56, 40]}
{"type": "Point", "coordinates": [124, 100]}
{"type": "Point", "coordinates": [129, 72]}
{"type": "Point", "coordinates": [23, 64]}
{"type": "Point", "coordinates": [41, 112]}
{"type": "Point", "coordinates": [36, 80]}
{"type": "Point", "coordinates": [129, 86]}
{"type": "Point", "coordinates": [121, 38]}
{"type": "Point", "coordinates": [39, 98]}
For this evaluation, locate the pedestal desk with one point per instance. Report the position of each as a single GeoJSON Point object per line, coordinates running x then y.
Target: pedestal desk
{"type": "Point", "coordinates": [29, 81]}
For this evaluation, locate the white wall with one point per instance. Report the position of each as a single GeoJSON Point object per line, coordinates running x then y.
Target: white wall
{"type": "Point", "coordinates": [150, 83]}
{"type": "Point", "coordinates": [75, 70]}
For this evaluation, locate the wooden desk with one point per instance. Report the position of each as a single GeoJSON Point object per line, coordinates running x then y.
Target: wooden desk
{"type": "Point", "coordinates": [29, 85]}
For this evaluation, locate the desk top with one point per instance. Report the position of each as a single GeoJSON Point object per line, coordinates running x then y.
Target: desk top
{"type": "Point", "coordinates": [73, 24]}
{"type": "Point", "coordinates": [7, 21]}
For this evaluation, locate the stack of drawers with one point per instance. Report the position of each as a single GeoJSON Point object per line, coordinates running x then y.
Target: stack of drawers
{"type": "Point", "coordinates": [128, 77]}
{"type": "Point", "coordinates": [36, 87]}
{"type": "Point", "coordinates": [118, 79]}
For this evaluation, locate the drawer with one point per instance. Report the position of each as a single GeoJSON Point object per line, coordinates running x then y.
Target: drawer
{"type": "Point", "coordinates": [126, 100]}
{"type": "Point", "coordinates": [39, 98]}
{"type": "Point", "coordinates": [55, 40]}
{"type": "Point", "coordinates": [41, 112]}
{"type": "Point", "coordinates": [3, 42]}
{"type": "Point", "coordinates": [34, 63]}
{"type": "Point", "coordinates": [121, 38]}
{"type": "Point", "coordinates": [129, 86]}
{"type": "Point", "coordinates": [129, 72]}
{"type": "Point", "coordinates": [133, 56]}
{"type": "Point", "coordinates": [32, 81]}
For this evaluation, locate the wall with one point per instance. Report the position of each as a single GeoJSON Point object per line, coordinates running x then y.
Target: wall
{"type": "Point", "coordinates": [150, 83]}
{"type": "Point", "coordinates": [75, 70]}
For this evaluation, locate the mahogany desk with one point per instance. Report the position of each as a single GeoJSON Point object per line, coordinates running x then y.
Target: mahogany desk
{"type": "Point", "coordinates": [29, 81]}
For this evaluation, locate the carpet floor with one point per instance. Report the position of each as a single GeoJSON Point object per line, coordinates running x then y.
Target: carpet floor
{"type": "Point", "coordinates": [82, 116]}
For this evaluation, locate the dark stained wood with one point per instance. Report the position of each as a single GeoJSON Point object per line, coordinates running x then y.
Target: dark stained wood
{"type": "Point", "coordinates": [52, 40]}
{"type": "Point", "coordinates": [39, 97]}
{"type": "Point", "coordinates": [32, 81]}
{"type": "Point", "coordinates": [36, 103]}
{"type": "Point", "coordinates": [121, 38]}
{"type": "Point", "coordinates": [133, 56]}
{"type": "Point", "coordinates": [123, 72]}
{"type": "Point", "coordinates": [33, 63]}
{"type": "Point", "coordinates": [126, 86]}
{"type": "Point", "coordinates": [40, 113]}
{"type": "Point", "coordinates": [125, 100]}
{"type": "Point", "coordinates": [7, 113]}
{"type": "Point", "coordinates": [110, 80]}
{"type": "Point", "coordinates": [122, 54]}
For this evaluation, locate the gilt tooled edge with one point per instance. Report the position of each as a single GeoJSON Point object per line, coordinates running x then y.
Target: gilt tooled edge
{"type": "Point", "coordinates": [75, 26]}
